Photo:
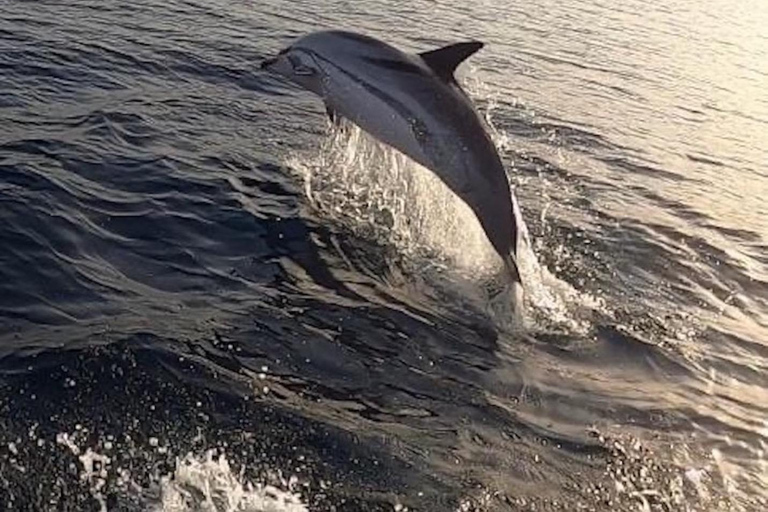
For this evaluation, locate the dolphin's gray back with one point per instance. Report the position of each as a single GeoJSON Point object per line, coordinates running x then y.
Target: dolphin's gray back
{"type": "Point", "coordinates": [399, 99]}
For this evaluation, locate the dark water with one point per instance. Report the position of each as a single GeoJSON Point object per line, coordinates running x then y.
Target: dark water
{"type": "Point", "coordinates": [209, 302]}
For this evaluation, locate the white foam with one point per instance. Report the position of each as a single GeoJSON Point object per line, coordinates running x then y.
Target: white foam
{"type": "Point", "coordinates": [199, 483]}
{"type": "Point", "coordinates": [94, 468]}
{"type": "Point", "coordinates": [209, 484]}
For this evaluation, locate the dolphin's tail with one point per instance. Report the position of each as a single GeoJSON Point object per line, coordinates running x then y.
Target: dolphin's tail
{"type": "Point", "coordinates": [511, 263]}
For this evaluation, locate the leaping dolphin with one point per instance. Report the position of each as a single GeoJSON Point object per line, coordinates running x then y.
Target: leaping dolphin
{"type": "Point", "coordinates": [414, 104]}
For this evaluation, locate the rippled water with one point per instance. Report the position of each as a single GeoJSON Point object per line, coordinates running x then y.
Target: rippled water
{"type": "Point", "coordinates": [209, 300]}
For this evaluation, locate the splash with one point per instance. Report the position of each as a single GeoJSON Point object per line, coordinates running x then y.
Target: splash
{"type": "Point", "coordinates": [645, 479]}
{"type": "Point", "coordinates": [379, 194]}
{"type": "Point", "coordinates": [94, 468]}
{"type": "Point", "coordinates": [199, 483]}
{"type": "Point", "coordinates": [209, 484]}
{"type": "Point", "coordinates": [554, 304]}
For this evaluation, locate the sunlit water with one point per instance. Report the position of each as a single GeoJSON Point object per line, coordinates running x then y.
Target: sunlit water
{"type": "Point", "coordinates": [211, 300]}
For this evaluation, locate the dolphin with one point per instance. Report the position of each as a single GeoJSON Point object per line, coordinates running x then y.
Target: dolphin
{"type": "Point", "coordinates": [413, 103]}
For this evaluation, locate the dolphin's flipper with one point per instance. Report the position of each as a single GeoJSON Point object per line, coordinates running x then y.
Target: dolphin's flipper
{"type": "Point", "coordinates": [444, 61]}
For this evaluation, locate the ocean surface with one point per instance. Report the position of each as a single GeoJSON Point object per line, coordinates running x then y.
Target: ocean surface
{"type": "Point", "coordinates": [213, 300]}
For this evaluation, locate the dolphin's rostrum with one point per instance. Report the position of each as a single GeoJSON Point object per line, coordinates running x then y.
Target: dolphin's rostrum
{"type": "Point", "coordinates": [412, 103]}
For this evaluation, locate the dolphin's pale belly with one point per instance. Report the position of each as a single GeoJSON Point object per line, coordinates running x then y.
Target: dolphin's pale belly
{"type": "Point", "coordinates": [407, 126]}
{"type": "Point", "coordinates": [354, 101]}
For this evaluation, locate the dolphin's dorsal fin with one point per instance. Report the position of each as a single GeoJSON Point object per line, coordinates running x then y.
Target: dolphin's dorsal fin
{"type": "Point", "coordinates": [444, 61]}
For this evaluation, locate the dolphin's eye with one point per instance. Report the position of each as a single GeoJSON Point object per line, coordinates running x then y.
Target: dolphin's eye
{"type": "Point", "coordinates": [299, 68]}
